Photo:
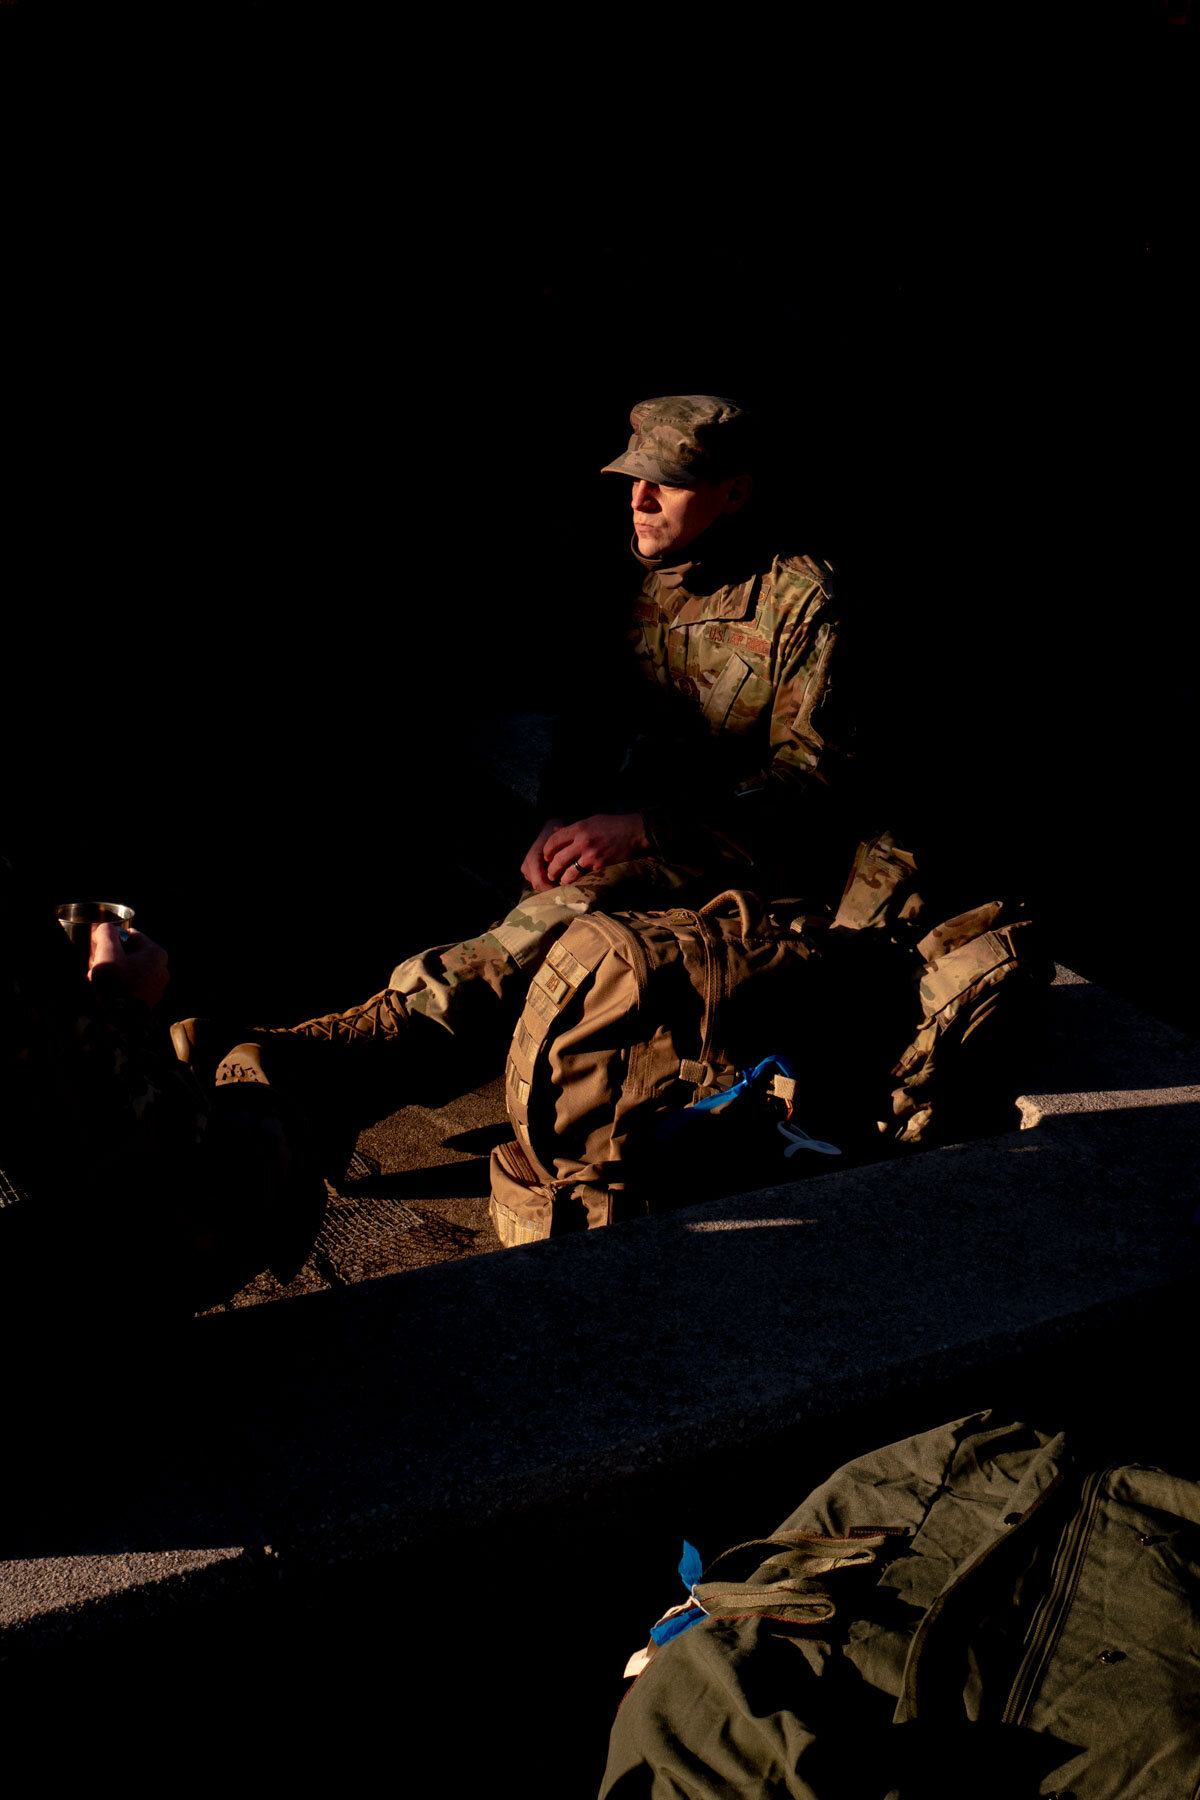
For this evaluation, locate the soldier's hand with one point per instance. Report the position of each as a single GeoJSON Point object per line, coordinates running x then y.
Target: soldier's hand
{"type": "Point", "coordinates": [593, 843]}
{"type": "Point", "coordinates": [137, 967]}
{"type": "Point", "coordinates": [534, 866]}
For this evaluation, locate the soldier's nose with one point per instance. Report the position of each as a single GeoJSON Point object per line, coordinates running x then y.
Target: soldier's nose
{"type": "Point", "coordinates": [642, 499]}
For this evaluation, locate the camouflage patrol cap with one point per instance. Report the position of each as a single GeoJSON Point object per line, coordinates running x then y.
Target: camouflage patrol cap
{"type": "Point", "coordinates": [684, 439]}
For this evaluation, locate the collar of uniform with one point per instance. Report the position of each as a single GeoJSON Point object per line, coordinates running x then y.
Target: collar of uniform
{"type": "Point", "coordinates": [670, 575]}
{"type": "Point", "coordinates": [721, 582]}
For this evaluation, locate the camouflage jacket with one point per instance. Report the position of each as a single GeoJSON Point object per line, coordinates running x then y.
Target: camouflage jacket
{"type": "Point", "coordinates": [735, 717]}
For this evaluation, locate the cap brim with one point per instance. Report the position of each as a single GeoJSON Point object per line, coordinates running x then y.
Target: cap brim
{"type": "Point", "coordinates": [648, 468]}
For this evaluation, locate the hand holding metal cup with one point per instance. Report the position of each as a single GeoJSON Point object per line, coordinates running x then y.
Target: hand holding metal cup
{"type": "Point", "coordinates": [78, 916]}
{"type": "Point", "coordinates": [133, 965]}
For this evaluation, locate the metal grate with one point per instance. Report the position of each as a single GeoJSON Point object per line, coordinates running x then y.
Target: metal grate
{"type": "Point", "coordinates": [10, 1193]}
{"type": "Point", "coordinates": [374, 1232]}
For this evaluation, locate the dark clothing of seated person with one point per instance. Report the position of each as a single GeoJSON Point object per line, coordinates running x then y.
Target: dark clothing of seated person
{"type": "Point", "coordinates": [128, 1185]}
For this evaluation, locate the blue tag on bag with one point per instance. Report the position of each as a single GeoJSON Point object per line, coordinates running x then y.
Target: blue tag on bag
{"type": "Point", "coordinates": [690, 1569]}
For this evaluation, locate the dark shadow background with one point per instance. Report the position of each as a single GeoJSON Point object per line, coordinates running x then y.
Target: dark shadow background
{"type": "Point", "coordinates": [315, 354]}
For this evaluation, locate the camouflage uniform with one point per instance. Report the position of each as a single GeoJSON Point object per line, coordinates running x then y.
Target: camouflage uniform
{"type": "Point", "coordinates": [738, 742]}
{"type": "Point", "coordinates": [737, 771]}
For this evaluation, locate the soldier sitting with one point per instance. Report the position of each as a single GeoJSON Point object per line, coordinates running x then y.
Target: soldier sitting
{"type": "Point", "coordinates": [730, 767]}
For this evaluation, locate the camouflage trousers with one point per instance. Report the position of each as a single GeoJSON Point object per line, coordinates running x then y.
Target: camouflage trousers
{"type": "Point", "coordinates": [475, 989]}
{"type": "Point", "coordinates": [123, 1181]}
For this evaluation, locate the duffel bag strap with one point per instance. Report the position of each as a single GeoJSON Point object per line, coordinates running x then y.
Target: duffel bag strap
{"type": "Point", "coordinates": [786, 1574]}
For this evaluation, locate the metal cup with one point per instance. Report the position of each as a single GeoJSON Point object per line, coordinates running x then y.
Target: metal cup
{"type": "Point", "coordinates": [78, 916]}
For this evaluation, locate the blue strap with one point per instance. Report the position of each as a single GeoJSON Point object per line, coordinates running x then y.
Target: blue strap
{"type": "Point", "coordinates": [745, 1080]}
{"type": "Point", "coordinates": [671, 1628]}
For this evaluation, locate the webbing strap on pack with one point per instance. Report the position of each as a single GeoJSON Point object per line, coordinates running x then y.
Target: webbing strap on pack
{"type": "Point", "coordinates": [554, 982]}
{"type": "Point", "coordinates": [950, 975]}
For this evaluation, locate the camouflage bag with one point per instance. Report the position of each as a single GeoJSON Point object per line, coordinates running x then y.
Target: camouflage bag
{"type": "Point", "coordinates": [631, 1018]}
{"type": "Point", "coordinates": [977, 983]}
{"type": "Point", "coordinates": [980, 988]}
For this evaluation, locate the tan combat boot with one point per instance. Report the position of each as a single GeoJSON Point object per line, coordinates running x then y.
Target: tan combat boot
{"type": "Point", "coordinates": [343, 1071]}
{"type": "Point", "coordinates": [352, 1067]}
{"type": "Point", "coordinates": [204, 1044]}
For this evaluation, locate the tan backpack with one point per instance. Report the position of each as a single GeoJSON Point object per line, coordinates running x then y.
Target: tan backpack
{"type": "Point", "coordinates": [631, 1017]}
{"type": "Point", "coordinates": [636, 1019]}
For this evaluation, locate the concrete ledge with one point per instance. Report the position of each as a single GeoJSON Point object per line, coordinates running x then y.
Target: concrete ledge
{"type": "Point", "coordinates": [328, 1432]}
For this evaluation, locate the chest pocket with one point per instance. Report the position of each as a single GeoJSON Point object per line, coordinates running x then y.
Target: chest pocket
{"type": "Point", "coordinates": [725, 690]}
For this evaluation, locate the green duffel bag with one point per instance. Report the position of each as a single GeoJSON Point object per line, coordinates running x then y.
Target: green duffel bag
{"type": "Point", "coordinates": [967, 1612]}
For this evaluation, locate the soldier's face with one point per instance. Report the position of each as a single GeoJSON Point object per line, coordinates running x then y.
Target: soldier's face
{"type": "Point", "coordinates": [669, 518]}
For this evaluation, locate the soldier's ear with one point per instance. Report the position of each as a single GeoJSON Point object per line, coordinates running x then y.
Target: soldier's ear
{"type": "Point", "coordinates": [738, 490]}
